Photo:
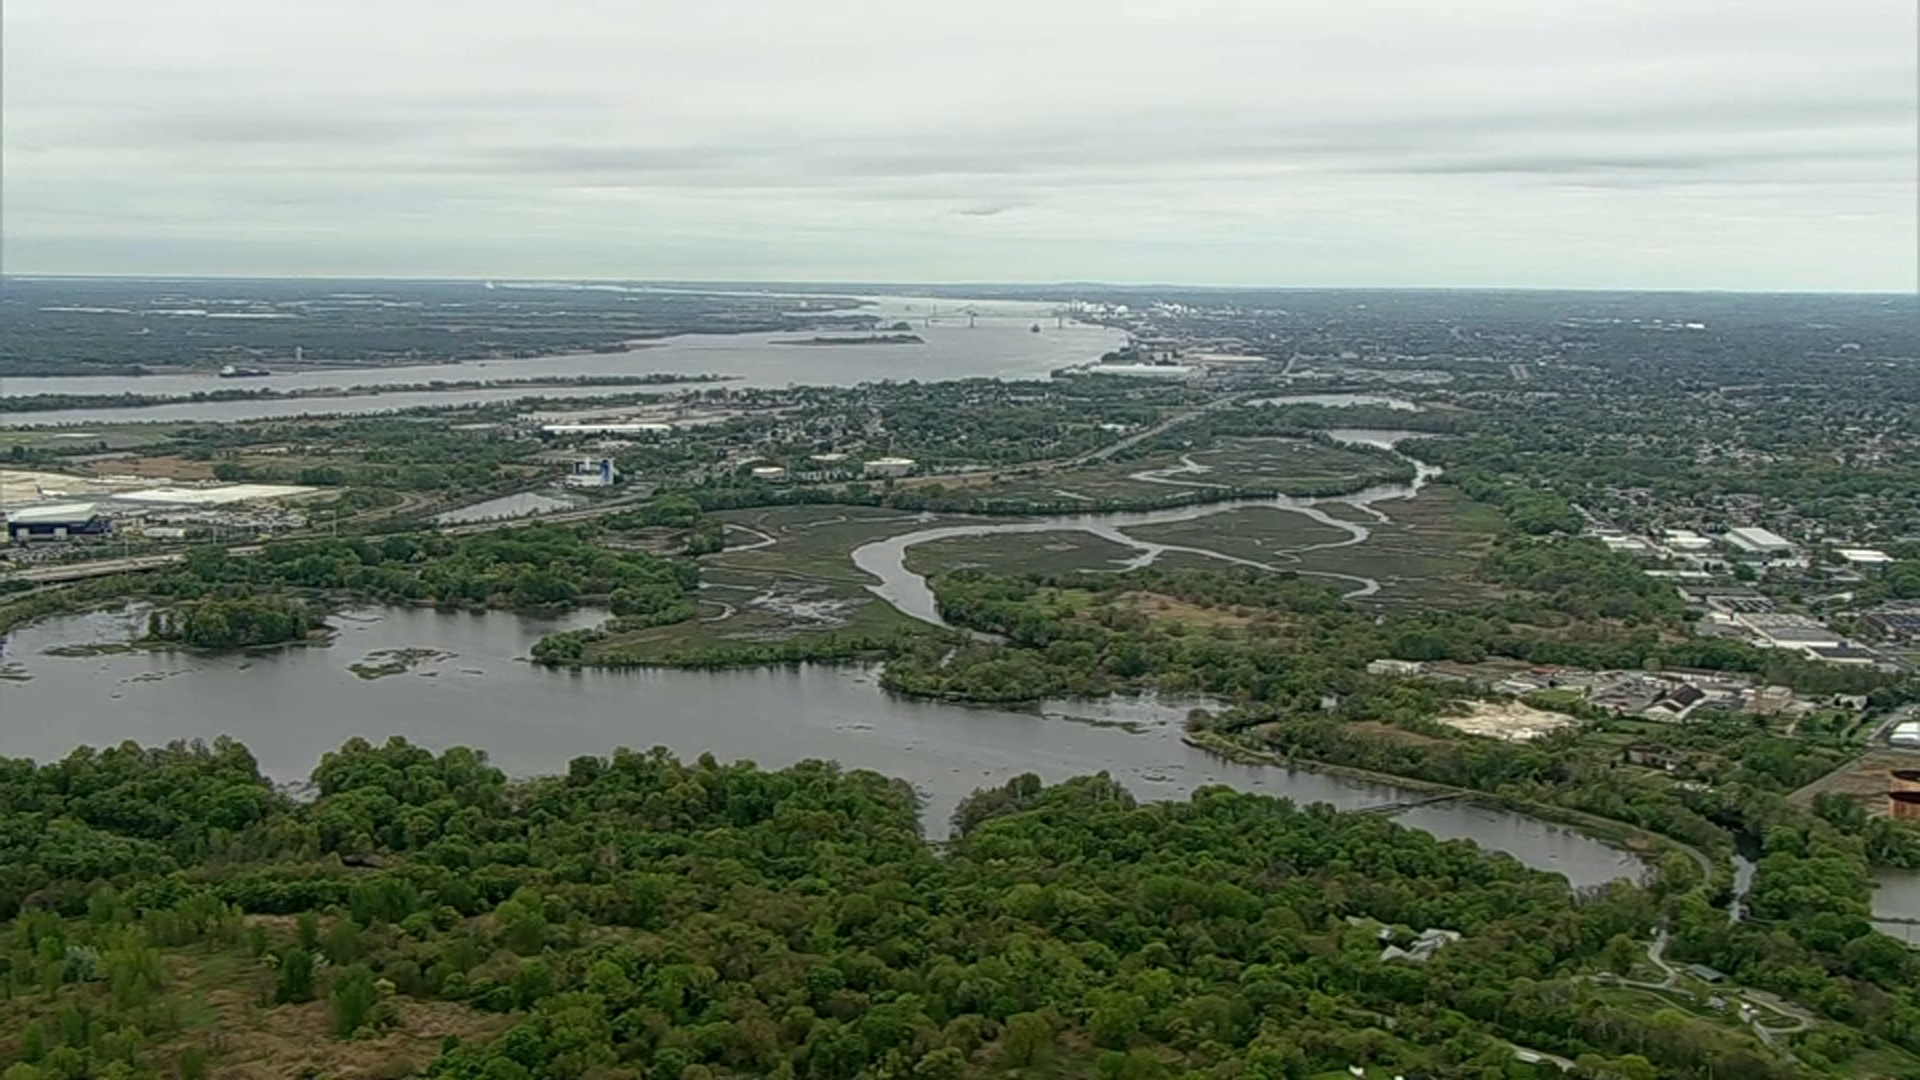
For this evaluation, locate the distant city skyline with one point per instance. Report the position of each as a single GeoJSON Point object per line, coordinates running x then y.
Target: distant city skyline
{"type": "Point", "coordinates": [1738, 145]}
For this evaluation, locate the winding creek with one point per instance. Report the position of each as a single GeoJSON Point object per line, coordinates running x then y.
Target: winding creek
{"type": "Point", "coordinates": [886, 559]}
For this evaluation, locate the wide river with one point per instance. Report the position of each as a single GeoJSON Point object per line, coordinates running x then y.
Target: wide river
{"type": "Point", "coordinates": [292, 706]}
{"type": "Point", "coordinates": [1001, 345]}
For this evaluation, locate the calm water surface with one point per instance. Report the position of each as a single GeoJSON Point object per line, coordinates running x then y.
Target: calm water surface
{"type": "Point", "coordinates": [1898, 897]}
{"type": "Point", "coordinates": [1000, 347]}
{"type": "Point", "coordinates": [292, 706]}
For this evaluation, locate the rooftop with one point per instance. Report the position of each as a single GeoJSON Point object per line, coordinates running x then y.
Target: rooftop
{"type": "Point", "coordinates": [1757, 539]}
{"type": "Point", "coordinates": [76, 511]}
{"type": "Point", "coordinates": [1864, 556]}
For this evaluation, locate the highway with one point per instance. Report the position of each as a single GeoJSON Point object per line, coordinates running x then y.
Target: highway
{"type": "Point", "coordinates": [1144, 434]}
{"type": "Point", "coordinates": [48, 575]}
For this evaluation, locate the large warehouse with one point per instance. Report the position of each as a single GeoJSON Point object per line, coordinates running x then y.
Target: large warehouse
{"type": "Point", "coordinates": [1761, 542]}
{"type": "Point", "coordinates": [57, 521]}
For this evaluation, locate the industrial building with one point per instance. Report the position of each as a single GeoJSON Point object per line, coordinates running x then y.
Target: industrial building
{"type": "Point", "coordinates": [56, 521]}
{"type": "Point", "coordinates": [1864, 556]}
{"type": "Point", "coordinates": [1687, 541]}
{"type": "Point", "coordinates": [890, 466]}
{"type": "Point", "coordinates": [610, 428]}
{"type": "Point", "coordinates": [1626, 545]}
{"type": "Point", "coordinates": [1759, 543]}
{"type": "Point", "coordinates": [1898, 624]}
{"type": "Point", "coordinates": [1849, 655]}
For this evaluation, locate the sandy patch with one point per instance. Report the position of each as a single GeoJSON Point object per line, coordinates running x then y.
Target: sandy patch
{"type": "Point", "coordinates": [1508, 720]}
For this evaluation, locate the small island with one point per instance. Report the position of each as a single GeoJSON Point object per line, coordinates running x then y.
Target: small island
{"type": "Point", "coordinates": [871, 339]}
{"type": "Point", "coordinates": [245, 622]}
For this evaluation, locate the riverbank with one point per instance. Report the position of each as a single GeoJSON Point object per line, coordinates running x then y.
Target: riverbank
{"type": "Point", "coordinates": [1643, 843]}
{"type": "Point", "coordinates": [476, 688]}
{"type": "Point", "coordinates": [877, 339]}
{"type": "Point", "coordinates": [56, 402]}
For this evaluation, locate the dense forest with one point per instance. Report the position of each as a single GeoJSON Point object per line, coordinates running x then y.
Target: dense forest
{"type": "Point", "coordinates": [547, 566]}
{"type": "Point", "coordinates": [237, 622]}
{"type": "Point", "coordinates": [1283, 639]}
{"type": "Point", "coordinates": [169, 913]}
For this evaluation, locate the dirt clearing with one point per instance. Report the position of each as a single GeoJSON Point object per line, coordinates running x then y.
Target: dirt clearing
{"type": "Point", "coordinates": [1507, 720]}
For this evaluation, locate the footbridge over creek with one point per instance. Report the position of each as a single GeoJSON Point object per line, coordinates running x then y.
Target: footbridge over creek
{"type": "Point", "coordinates": [1402, 805]}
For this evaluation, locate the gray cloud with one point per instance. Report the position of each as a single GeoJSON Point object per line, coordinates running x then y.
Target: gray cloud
{"type": "Point", "coordinates": [257, 129]}
{"type": "Point", "coordinates": [1215, 140]}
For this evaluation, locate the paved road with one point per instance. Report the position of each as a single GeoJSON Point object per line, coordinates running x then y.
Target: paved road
{"type": "Point", "coordinates": [1798, 1019]}
{"type": "Point", "coordinates": [1144, 434]}
{"type": "Point", "coordinates": [46, 575]}
{"type": "Point", "coordinates": [1657, 956]}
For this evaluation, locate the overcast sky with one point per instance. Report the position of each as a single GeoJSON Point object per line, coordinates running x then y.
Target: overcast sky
{"type": "Point", "coordinates": [1735, 144]}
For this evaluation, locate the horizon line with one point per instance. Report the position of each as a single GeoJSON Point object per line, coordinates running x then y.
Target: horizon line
{"type": "Point", "coordinates": [766, 284]}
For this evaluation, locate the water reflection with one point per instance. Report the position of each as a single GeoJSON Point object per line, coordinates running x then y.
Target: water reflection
{"type": "Point", "coordinates": [292, 706]}
{"type": "Point", "coordinates": [1002, 347]}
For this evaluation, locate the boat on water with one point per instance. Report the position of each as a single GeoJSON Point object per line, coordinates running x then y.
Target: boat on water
{"type": "Point", "coordinates": [235, 371]}
{"type": "Point", "coordinates": [1035, 328]}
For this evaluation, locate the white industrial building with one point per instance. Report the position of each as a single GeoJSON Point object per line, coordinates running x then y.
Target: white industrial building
{"type": "Point", "coordinates": [620, 428]}
{"type": "Point", "coordinates": [56, 521]}
{"type": "Point", "coordinates": [890, 466]}
{"type": "Point", "coordinates": [1686, 540]}
{"type": "Point", "coordinates": [1760, 542]}
{"type": "Point", "coordinates": [1626, 545]}
{"type": "Point", "coordinates": [1864, 556]}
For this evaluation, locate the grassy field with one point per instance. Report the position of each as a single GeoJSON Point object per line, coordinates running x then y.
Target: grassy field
{"type": "Point", "coordinates": [1260, 533]}
{"type": "Point", "coordinates": [1425, 556]}
{"type": "Point", "coordinates": [115, 436]}
{"type": "Point", "coordinates": [220, 1000]}
{"type": "Point", "coordinates": [1048, 552]}
{"type": "Point", "coordinates": [788, 572]}
{"type": "Point", "coordinates": [812, 542]}
{"type": "Point", "coordinates": [1292, 465]}
{"type": "Point", "coordinates": [1866, 779]}
{"type": "Point", "coordinates": [802, 583]}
